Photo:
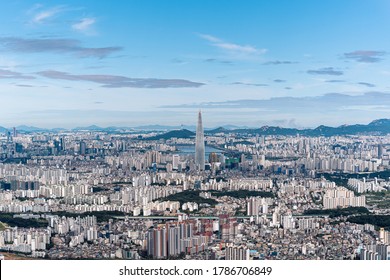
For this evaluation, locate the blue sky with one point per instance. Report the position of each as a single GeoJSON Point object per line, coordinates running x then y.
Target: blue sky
{"type": "Point", "coordinates": [290, 63]}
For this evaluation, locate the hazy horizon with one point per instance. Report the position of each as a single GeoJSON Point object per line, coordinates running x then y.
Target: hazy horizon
{"type": "Point", "coordinates": [177, 125]}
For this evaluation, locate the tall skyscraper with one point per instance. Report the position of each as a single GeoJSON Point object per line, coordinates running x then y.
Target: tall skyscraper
{"type": "Point", "coordinates": [83, 148]}
{"type": "Point", "coordinates": [199, 145]}
{"type": "Point", "coordinates": [380, 151]}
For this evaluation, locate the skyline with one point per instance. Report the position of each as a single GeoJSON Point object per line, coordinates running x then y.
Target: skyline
{"type": "Point", "coordinates": [249, 63]}
{"type": "Point", "coordinates": [191, 127]}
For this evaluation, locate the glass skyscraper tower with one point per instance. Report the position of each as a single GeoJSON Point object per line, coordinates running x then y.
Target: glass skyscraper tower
{"type": "Point", "coordinates": [199, 145]}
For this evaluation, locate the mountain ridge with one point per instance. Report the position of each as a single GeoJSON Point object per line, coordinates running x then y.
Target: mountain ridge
{"type": "Point", "coordinates": [379, 126]}
{"type": "Point", "coordinates": [181, 133]}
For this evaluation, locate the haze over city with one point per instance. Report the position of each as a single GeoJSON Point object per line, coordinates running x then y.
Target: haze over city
{"type": "Point", "coordinates": [158, 62]}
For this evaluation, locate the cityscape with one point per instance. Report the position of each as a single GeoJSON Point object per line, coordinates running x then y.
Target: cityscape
{"type": "Point", "coordinates": [195, 130]}
{"type": "Point", "coordinates": [206, 195]}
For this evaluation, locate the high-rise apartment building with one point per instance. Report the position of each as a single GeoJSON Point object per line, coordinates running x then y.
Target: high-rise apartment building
{"type": "Point", "coordinates": [342, 197]}
{"type": "Point", "coordinates": [237, 253]}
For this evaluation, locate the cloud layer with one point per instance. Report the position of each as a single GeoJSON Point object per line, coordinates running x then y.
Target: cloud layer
{"type": "Point", "coordinates": [42, 45]}
{"type": "Point", "coordinates": [214, 60]}
{"type": "Point", "coordinates": [113, 81]}
{"type": "Point", "coordinates": [335, 81]}
{"type": "Point", "coordinates": [279, 62]}
{"type": "Point", "coordinates": [365, 56]}
{"type": "Point", "coordinates": [366, 84]}
{"type": "Point", "coordinates": [6, 74]}
{"type": "Point", "coordinates": [326, 103]}
{"type": "Point", "coordinates": [249, 84]}
{"type": "Point", "coordinates": [326, 71]}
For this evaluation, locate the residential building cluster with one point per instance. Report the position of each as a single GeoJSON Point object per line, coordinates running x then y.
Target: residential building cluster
{"type": "Point", "coordinates": [100, 195]}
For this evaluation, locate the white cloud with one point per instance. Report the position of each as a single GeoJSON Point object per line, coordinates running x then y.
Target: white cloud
{"type": "Point", "coordinates": [209, 38]}
{"type": "Point", "coordinates": [84, 25]}
{"type": "Point", "coordinates": [44, 15]}
{"type": "Point", "coordinates": [239, 48]}
{"type": "Point", "coordinates": [231, 47]}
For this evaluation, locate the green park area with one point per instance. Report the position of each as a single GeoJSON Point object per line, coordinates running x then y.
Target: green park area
{"type": "Point", "coordinates": [189, 196]}
{"type": "Point", "coordinates": [8, 219]}
{"type": "Point", "coordinates": [378, 199]}
{"type": "Point", "coordinates": [333, 213]}
{"type": "Point", "coordinates": [376, 220]}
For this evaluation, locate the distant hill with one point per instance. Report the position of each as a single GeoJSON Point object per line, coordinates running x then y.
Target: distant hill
{"type": "Point", "coordinates": [182, 133]}
{"type": "Point", "coordinates": [217, 130]}
{"type": "Point", "coordinates": [3, 129]}
{"type": "Point", "coordinates": [89, 128]}
{"type": "Point", "coordinates": [156, 127]}
{"type": "Point", "coordinates": [379, 127]}
{"type": "Point", "coordinates": [26, 128]}
{"type": "Point", "coordinates": [380, 123]}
